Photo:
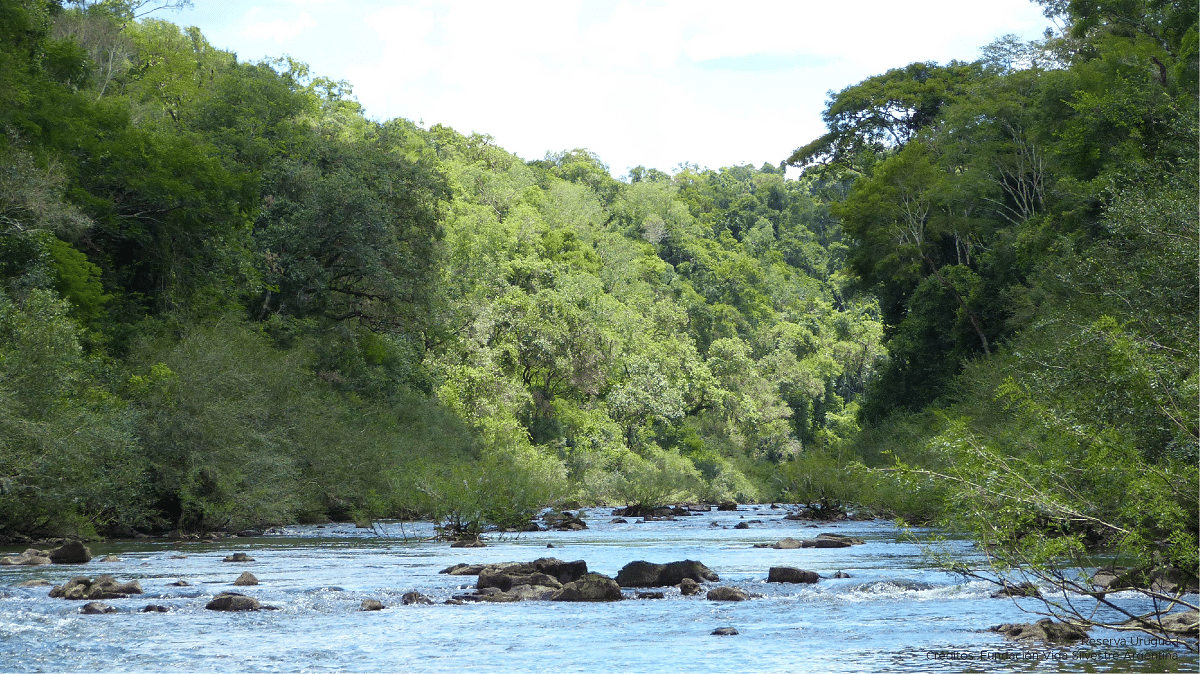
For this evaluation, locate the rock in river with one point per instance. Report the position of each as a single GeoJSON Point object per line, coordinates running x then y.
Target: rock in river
{"type": "Point", "coordinates": [688, 587]}
{"type": "Point", "coordinates": [238, 557]}
{"type": "Point", "coordinates": [96, 608]}
{"type": "Point", "coordinates": [726, 593]}
{"type": "Point", "coordinates": [71, 553]}
{"type": "Point", "coordinates": [410, 598]}
{"type": "Point", "coordinates": [591, 587]}
{"type": "Point", "coordinates": [648, 574]}
{"type": "Point", "coordinates": [104, 587]}
{"type": "Point", "coordinates": [232, 601]}
{"type": "Point", "coordinates": [1043, 630]}
{"type": "Point", "coordinates": [30, 557]}
{"type": "Point", "coordinates": [788, 574]}
{"type": "Point", "coordinates": [246, 578]}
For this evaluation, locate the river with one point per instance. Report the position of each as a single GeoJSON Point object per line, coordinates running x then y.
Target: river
{"type": "Point", "coordinates": [895, 613]}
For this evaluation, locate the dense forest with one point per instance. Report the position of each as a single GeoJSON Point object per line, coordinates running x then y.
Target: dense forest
{"type": "Point", "coordinates": [230, 299]}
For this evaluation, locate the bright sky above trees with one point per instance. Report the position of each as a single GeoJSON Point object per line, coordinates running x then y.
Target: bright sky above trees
{"type": "Point", "coordinates": [714, 83]}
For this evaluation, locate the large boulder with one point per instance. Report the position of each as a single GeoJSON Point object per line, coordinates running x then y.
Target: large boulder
{"type": "Point", "coordinates": [1043, 630]}
{"type": "Point", "coordinates": [232, 601]}
{"type": "Point", "coordinates": [648, 574]}
{"type": "Point", "coordinates": [726, 593]}
{"type": "Point", "coordinates": [73, 552]}
{"type": "Point", "coordinates": [591, 587]}
{"type": "Point", "coordinates": [788, 574]}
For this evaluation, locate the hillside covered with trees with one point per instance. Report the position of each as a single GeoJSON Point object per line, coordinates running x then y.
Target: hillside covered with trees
{"type": "Point", "coordinates": [230, 299]}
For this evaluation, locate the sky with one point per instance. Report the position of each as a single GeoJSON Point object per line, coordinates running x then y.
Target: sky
{"type": "Point", "coordinates": [654, 84]}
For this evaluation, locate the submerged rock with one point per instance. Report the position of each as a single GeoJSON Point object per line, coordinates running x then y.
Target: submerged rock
{"type": "Point", "coordinates": [155, 608]}
{"type": "Point", "coordinates": [1043, 630]}
{"type": "Point", "coordinates": [238, 557]}
{"type": "Point", "coordinates": [651, 595]}
{"type": "Point", "coordinates": [724, 632]}
{"type": "Point", "coordinates": [371, 605]}
{"type": "Point", "coordinates": [37, 582]}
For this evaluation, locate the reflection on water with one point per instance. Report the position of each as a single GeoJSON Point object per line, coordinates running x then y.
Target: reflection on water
{"type": "Point", "coordinates": [894, 612]}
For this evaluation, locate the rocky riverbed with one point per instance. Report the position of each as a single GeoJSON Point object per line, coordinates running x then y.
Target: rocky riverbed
{"type": "Point", "coordinates": [653, 593]}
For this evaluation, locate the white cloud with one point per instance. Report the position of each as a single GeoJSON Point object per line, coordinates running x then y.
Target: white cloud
{"type": "Point", "coordinates": [653, 83]}
{"type": "Point", "coordinates": [277, 30]}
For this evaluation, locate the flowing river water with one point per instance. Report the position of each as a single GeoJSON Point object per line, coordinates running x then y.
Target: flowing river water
{"type": "Point", "coordinates": [895, 612]}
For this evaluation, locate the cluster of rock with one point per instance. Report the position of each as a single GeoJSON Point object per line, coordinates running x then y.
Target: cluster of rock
{"type": "Point", "coordinates": [1018, 590]}
{"type": "Point", "coordinates": [821, 541]}
{"type": "Point", "coordinates": [72, 552]}
{"type": "Point", "coordinates": [546, 578]}
{"type": "Point", "coordinates": [555, 580]}
{"type": "Point", "coordinates": [1043, 630]}
{"type": "Point", "coordinates": [1164, 581]}
{"type": "Point", "coordinates": [659, 514]}
{"type": "Point", "coordinates": [103, 587]}
{"type": "Point", "coordinates": [562, 521]}
{"type": "Point", "coordinates": [1183, 624]}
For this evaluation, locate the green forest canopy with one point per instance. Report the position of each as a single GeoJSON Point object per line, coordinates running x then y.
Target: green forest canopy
{"type": "Point", "coordinates": [229, 299]}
